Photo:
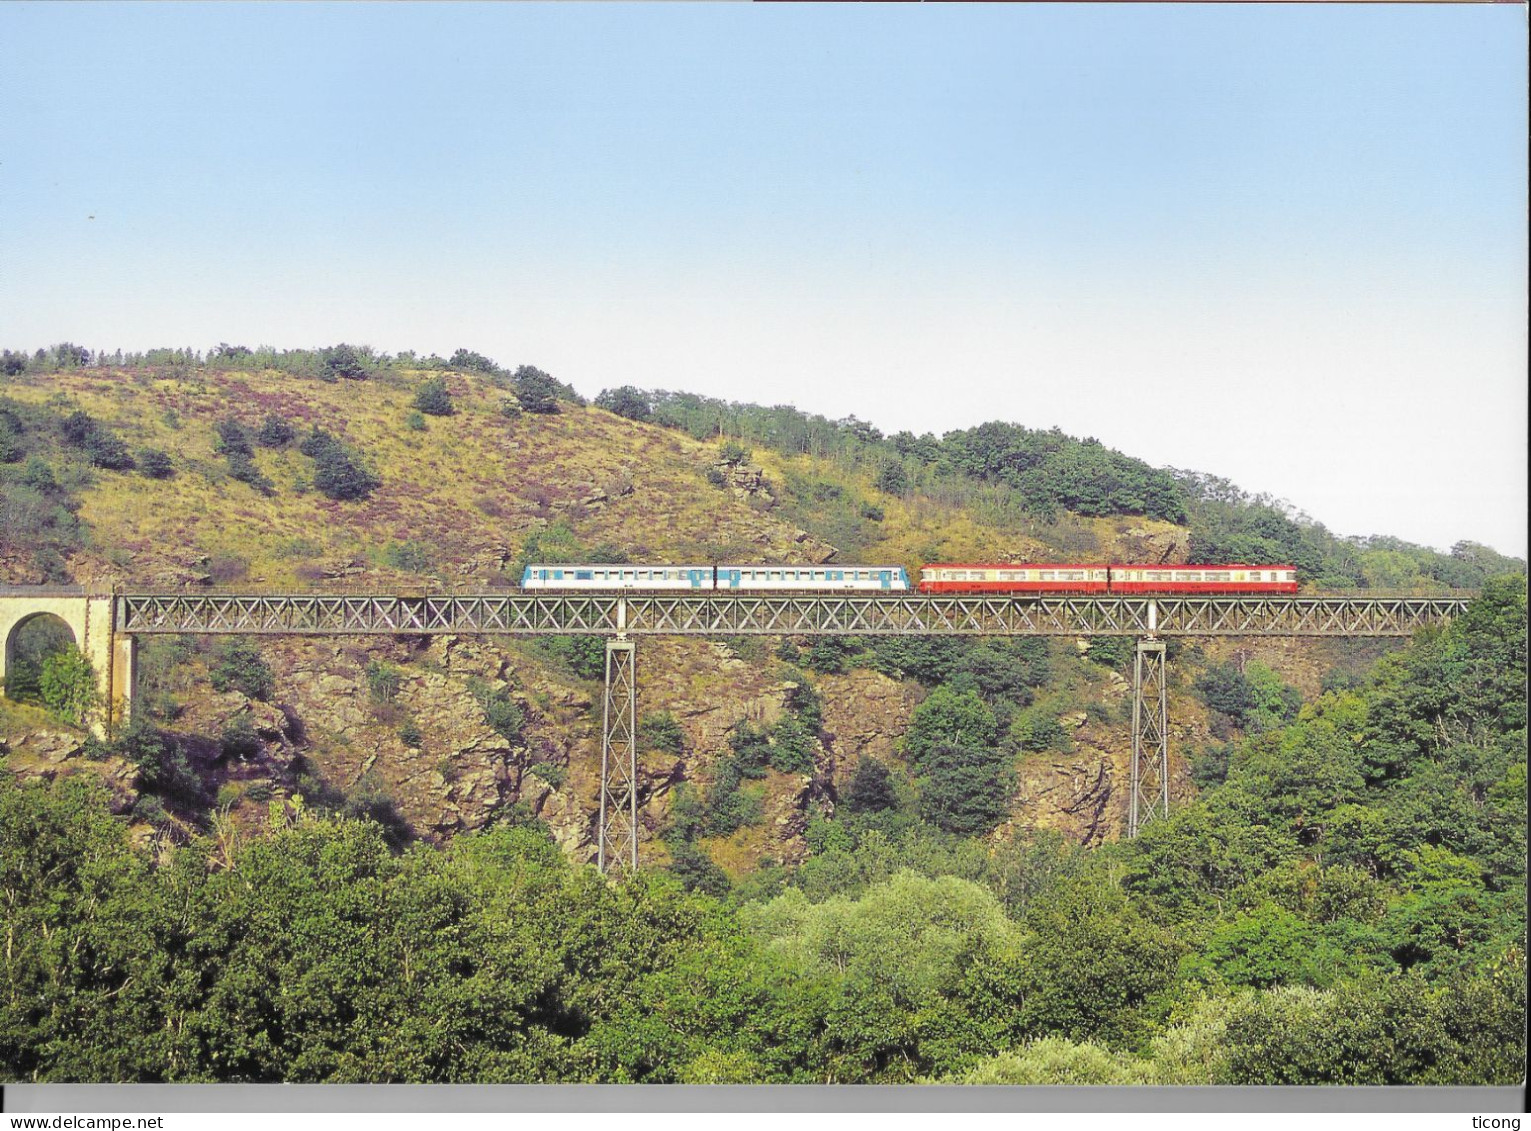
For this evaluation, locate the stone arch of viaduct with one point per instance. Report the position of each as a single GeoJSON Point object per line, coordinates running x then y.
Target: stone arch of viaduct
{"type": "Point", "coordinates": [90, 617]}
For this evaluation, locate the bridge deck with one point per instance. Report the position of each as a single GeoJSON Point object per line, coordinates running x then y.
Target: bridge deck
{"type": "Point", "coordinates": [718, 614]}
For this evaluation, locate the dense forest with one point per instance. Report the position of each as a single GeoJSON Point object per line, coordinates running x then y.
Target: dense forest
{"type": "Point", "coordinates": [1343, 903]}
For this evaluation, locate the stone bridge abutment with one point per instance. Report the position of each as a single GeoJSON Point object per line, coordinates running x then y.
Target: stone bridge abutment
{"type": "Point", "coordinates": [91, 619]}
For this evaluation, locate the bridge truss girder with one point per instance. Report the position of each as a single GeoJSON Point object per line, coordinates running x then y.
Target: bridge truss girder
{"type": "Point", "coordinates": [785, 615]}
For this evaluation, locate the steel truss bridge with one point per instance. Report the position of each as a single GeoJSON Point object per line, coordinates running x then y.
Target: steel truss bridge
{"type": "Point", "coordinates": [621, 617]}
{"type": "Point", "coordinates": [720, 614]}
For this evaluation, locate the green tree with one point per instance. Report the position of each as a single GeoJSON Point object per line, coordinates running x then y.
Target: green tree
{"type": "Point", "coordinates": [340, 476]}
{"type": "Point", "coordinates": [536, 390]}
{"type": "Point", "coordinates": [871, 788]}
{"type": "Point", "coordinates": [239, 667]}
{"type": "Point", "coordinates": [965, 789]}
{"type": "Point", "coordinates": [892, 478]}
{"type": "Point", "coordinates": [949, 717]}
{"type": "Point", "coordinates": [434, 398]}
{"type": "Point", "coordinates": [155, 464]}
{"type": "Point", "coordinates": [344, 362]}
{"type": "Point", "coordinates": [626, 401]}
{"type": "Point", "coordinates": [275, 432]}
{"type": "Point", "coordinates": [68, 685]}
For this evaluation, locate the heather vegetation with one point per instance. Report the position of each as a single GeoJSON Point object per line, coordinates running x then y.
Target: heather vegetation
{"type": "Point", "coordinates": [1339, 899]}
{"type": "Point", "coordinates": [1348, 906]}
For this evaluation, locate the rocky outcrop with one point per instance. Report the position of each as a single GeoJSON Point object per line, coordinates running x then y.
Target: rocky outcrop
{"type": "Point", "coordinates": [49, 754]}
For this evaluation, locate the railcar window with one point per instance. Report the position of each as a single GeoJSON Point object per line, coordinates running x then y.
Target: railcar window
{"type": "Point", "coordinates": [1047, 575]}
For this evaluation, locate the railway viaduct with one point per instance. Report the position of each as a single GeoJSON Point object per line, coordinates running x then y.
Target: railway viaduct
{"type": "Point", "coordinates": [107, 625]}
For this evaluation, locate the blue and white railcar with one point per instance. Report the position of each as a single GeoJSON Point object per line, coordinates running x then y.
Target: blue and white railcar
{"type": "Point", "coordinates": [663, 577]}
{"type": "Point", "coordinates": [874, 578]}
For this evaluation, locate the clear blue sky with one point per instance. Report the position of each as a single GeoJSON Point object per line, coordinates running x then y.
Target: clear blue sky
{"type": "Point", "coordinates": [1284, 244]}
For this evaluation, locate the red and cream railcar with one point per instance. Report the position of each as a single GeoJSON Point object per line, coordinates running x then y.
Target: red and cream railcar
{"type": "Point", "coordinates": [1203, 579]}
{"type": "Point", "coordinates": [943, 577]}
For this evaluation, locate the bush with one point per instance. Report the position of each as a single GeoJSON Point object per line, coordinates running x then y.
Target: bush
{"type": "Point", "coordinates": [409, 556]}
{"type": "Point", "coordinates": [242, 468]}
{"type": "Point", "coordinates": [792, 746]}
{"type": "Point", "coordinates": [503, 714]}
{"type": "Point", "coordinates": [965, 788]}
{"type": "Point", "coordinates": [536, 390]}
{"type": "Point", "coordinates": [731, 451]}
{"type": "Point", "coordinates": [892, 478]}
{"type": "Point", "coordinates": [339, 476]}
{"type": "Point", "coordinates": [660, 731]}
{"type": "Point", "coordinates": [414, 422]}
{"type": "Point", "coordinates": [343, 362]}
{"type": "Point", "coordinates": [716, 478]}
{"type": "Point", "coordinates": [434, 398]}
{"type": "Point", "coordinates": [240, 668]}
{"type": "Point", "coordinates": [234, 439]}
{"type": "Point", "coordinates": [871, 789]}
{"type": "Point", "coordinates": [383, 681]}
{"type": "Point", "coordinates": [625, 401]}
{"type": "Point", "coordinates": [409, 734]}
{"type": "Point", "coordinates": [275, 432]}
{"type": "Point", "coordinates": [239, 740]}
{"type": "Point", "coordinates": [1035, 730]}
{"type": "Point", "coordinates": [155, 464]}
{"type": "Point", "coordinates": [67, 684]}
{"type": "Point", "coordinates": [78, 427]}
{"type": "Point", "coordinates": [465, 359]}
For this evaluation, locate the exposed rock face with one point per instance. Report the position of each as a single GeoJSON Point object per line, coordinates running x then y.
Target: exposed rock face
{"type": "Point", "coordinates": [53, 754]}
{"type": "Point", "coordinates": [865, 716]}
{"type": "Point", "coordinates": [1159, 547]}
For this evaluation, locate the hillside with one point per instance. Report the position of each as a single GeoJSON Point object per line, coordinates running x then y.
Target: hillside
{"type": "Point", "coordinates": [881, 860]}
{"type": "Point", "coordinates": [406, 730]}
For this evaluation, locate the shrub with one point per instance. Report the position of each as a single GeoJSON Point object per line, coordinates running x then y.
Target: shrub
{"type": "Point", "coordinates": [660, 731]}
{"type": "Point", "coordinates": [550, 772]}
{"type": "Point", "coordinates": [240, 668]}
{"type": "Point", "coordinates": [343, 362]}
{"type": "Point", "coordinates": [414, 422]}
{"type": "Point", "coordinates": [383, 681]}
{"type": "Point", "coordinates": [67, 684]}
{"type": "Point", "coordinates": [409, 734]}
{"type": "Point", "coordinates": [503, 714]}
{"type": "Point", "coordinates": [239, 740]}
{"type": "Point", "coordinates": [409, 556]}
{"type": "Point", "coordinates": [434, 398]}
{"type": "Point", "coordinates": [242, 468]}
{"type": "Point", "coordinates": [234, 439]}
{"type": "Point", "coordinates": [465, 359]}
{"type": "Point", "coordinates": [78, 427]}
{"type": "Point", "coordinates": [625, 401]}
{"type": "Point", "coordinates": [1035, 729]}
{"type": "Point", "coordinates": [536, 390]}
{"type": "Point", "coordinates": [716, 478]}
{"type": "Point", "coordinates": [892, 478]}
{"type": "Point", "coordinates": [510, 407]}
{"type": "Point", "coordinates": [871, 789]}
{"type": "Point", "coordinates": [275, 432]}
{"type": "Point", "coordinates": [965, 789]}
{"type": "Point", "coordinates": [792, 746]}
{"type": "Point", "coordinates": [339, 476]}
{"type": "Point", "coordinates": [731, 451]}
{"type": "Point", "coordinates": [155, 464]}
